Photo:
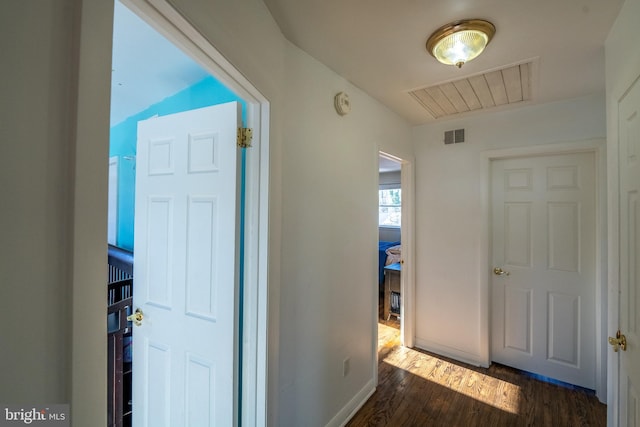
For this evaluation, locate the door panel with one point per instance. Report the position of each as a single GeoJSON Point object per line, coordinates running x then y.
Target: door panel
{"type": "Point", "coordinates": [564, 329]}
{"type": "Point", "coordinates": [517, 306]}
{"type": "Point", "coordinates": [185, 268]}
{"type": "Point", "coordinates": [629, 134]}
{"type": "Point", "coordinates": [543, 238]}
{"type": "Point", "coordinates": [563, 236]}
{"type": "Point", "coordinates": [517, 234]}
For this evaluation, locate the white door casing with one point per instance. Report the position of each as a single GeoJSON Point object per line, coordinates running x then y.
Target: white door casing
{"type": "Point", "coordinates": [629, 251]}
{"type": "Point", "coordinates": [184, 351]}
{"type": "Point", "coordinates": [543, 234]}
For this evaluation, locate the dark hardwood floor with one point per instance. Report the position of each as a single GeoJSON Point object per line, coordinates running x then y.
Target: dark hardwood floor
{"type": "Point", "coordinates": [417, 388]}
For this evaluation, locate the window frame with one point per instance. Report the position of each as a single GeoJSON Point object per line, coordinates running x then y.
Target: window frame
{"type": "Point", "coordinates": [383, 187]}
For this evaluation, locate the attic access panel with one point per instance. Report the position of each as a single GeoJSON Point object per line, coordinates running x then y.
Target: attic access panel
{"type": "Point", "coordinates": [506, 86]}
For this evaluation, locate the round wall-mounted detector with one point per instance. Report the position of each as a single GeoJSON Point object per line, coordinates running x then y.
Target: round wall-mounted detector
{"type": "Point", "coordinates": [342, 103]}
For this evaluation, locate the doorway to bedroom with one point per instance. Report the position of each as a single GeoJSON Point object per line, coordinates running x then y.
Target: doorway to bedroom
{"type": "Point", "coordinates": [175, 140]}
{"type": "Point", "coordinates": [389, 244]}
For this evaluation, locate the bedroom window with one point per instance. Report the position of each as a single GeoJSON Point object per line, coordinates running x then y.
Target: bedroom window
{"type": "Point", "coordinates": [389, 207]}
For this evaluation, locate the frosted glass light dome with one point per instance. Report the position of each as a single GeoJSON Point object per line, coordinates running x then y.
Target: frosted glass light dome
{"type": "Point", "coordinates": [460, 41]}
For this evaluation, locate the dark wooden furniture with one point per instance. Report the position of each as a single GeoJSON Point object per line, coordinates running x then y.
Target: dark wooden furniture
{"type": "Point", "coordinates": [392, 290]}
{"type": "Point", "coordinates": [120, 296]}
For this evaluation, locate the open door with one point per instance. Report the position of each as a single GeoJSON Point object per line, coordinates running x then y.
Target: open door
{"type": "Point", "coordinates": [627, 341]}
{"type": "Point", "coordinates": [184, 346]}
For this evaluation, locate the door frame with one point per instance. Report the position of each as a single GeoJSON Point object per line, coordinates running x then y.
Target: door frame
{"type": "Point", "coordinates": [407, 278]}
{"type": "Point", "coordinates": [598, 148]}
{"type": "Point", "coordinates": [168, 22]}
{"type": "Point", "coordinates": [88, 395]}
{"type": "Point", "coordinates": [407, 234]}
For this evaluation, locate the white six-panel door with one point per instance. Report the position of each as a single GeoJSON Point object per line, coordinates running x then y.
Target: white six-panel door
{"type": "Point", "coordinates": [543, 238]}
{"type": "Point", "coordinates": [629, 163]}
{"type": "Point", "coordinates": [185, 269]}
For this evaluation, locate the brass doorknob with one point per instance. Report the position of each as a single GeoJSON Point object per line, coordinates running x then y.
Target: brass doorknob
{"type": "Point", "coordinates": [619, 342]}
{"type": "Point", "coordinates": [136, 317]}
{"type": "Point", "coordinates": [500, 272]}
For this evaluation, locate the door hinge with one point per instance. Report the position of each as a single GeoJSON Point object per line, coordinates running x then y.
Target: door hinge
{"type": "Point", "coordinates": [244, 137]}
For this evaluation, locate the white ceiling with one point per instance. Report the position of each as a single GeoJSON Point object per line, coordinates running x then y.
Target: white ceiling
{"type": "Point", "coordinates": [379, 45]}
{"type": "Point", "coordinates": [146, 68]}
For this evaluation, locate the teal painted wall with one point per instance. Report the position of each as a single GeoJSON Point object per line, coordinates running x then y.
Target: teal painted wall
{"type": "Point", "coordinates": [123, 138]}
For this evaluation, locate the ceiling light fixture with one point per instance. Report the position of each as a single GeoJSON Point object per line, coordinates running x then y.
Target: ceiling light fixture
{"type": "Point", "coordinates": [461, 41]}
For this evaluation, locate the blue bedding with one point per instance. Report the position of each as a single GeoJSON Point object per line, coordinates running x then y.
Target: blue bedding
{"type": "Point", "coordinates": [382, 258]}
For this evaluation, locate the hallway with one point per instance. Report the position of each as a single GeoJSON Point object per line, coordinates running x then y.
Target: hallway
{"type": "Point", "coordinates": [417, 388]}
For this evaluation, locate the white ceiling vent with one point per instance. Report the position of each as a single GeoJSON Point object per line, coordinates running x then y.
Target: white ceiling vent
{"type": "Point", "coordinates": [509, 85]}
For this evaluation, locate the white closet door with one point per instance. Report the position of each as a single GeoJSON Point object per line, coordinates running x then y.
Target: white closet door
{"type": "Point", "coordinates": [543, 239]}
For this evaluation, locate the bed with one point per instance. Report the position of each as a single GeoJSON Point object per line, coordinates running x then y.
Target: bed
{"type": "Point", "coordinates": [388, 253]}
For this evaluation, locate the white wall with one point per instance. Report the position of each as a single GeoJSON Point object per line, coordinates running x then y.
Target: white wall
{"type": "Point", "coordinates": [449, 206]}
{"type": "Point", "coordinates": [329, 219]}
{"type": "Point", "coordinates": [622, 66]}
{"type": "Point", "coordinates": [323, 228]}
{"type": "Point", "coordinates": [35, 112]}
{"type": "Point", "coordinates": [53, 236]}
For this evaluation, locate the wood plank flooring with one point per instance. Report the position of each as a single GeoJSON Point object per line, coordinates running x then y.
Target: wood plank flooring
{"type": "Point", "coordinates": [417, 388]}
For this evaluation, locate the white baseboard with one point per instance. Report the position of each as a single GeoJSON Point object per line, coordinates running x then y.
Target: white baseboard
{"type": "Point", "coordinates": [350, 409]}
{"type": "Point", "coordinates": [452, 353]}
